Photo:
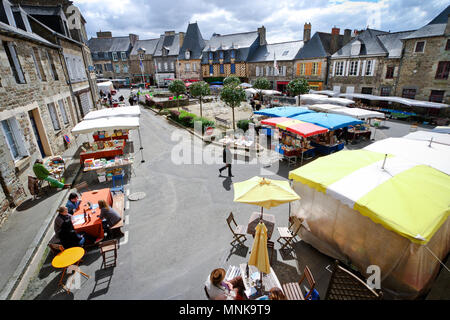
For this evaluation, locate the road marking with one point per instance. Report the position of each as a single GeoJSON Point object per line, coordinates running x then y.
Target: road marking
{"type": "Point", "coordinates": [127, 219]}
{"type": "Point", "coordinates": [128, 191]}
{"type": "Point", "coordinates": [125, 239]}
{"type": "Point", "coordinates": [127, 205]}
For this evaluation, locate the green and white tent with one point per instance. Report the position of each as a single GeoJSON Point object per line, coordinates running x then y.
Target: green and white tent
{"type": "Point", "coordinates": [380, 208]}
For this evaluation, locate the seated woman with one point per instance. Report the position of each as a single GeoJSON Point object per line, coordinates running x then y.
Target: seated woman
{"type": "Point", "coordinates": [108, 215]}
{"type": "Point", "coordinates": [238, 288]}
{"type": "Point", "coordinates": [217, 288]}
{"type": "Point", "coordinates": [274, 294]}
{"type": "Point", "coordinates": [43, 174]}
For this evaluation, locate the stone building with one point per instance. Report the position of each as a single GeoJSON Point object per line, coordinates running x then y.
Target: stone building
{"type": "Point", "coordinates": [190, 56]}
{"type": "Point", "coordinates": [37, 109]}
{"type": "Point", "coordinates": [148, 64]}
{"type": "Point", "coordinates": [262, 63]}
{"type": "Point", "coordinates": [312, 61]}
{"type": "Point", "coordinates": [425, 66]}
{"type": "Point", "coordinates": [166, 56]}
{"type": "Point", "coordinates": [111, 56]}
{"type": "Point", "coordinates": [367, 64]}
{"type": "Point", "coordinates": [227, 55]}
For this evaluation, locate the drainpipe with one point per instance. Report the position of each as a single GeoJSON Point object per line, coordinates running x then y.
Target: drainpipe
{"type": "Point", "coordinates": [63, 62]}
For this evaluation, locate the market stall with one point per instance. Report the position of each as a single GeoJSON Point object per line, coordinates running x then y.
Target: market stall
{"type": "Point", "coordinates": [365, 208]}
{"type": "Point", "coordinates": [286, 111]}
{"type": "Point", "coordinates": [101, 149]}
{"type": "Point", "coordinates": [55, 165]}
{"type": "Point", "coordinates": [292, 138]}
{"type": "Point", "coordinates": [329, 142]}
{"type": "Point", "coordinates": [429, 136]}
{"type": "Point", "coordinates": [309, 99]}
{"type": "Point", "coordinates": [325, 107]}
{"type": "Point", "coordinates": [358, 113]}
{"type": "Point", "coordinates": [106, 169]}
{"type": "Point", "coordinates": [115, 135]}
{"type": "Point", "coordinates": [106, 87]}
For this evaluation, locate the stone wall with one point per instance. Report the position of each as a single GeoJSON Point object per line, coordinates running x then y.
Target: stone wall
{"type": "Point", "coordinates": [287, 77]}
{"type": "Point", "coordinates": [191, 74]}
{"type": "Point", "coordinates": [135, 69]}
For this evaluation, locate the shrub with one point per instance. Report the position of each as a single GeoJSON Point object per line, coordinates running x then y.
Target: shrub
{"type": "Point", "coordinates": [174, 114]}
{"type": "Point", "coordinates": [205, 123]}
{"type": "Point", "coordinates": [164, 112]}
{"type": "Point", "coordinates": [243, 124]}
{"type": "Point", "coordinates": [187, 120]}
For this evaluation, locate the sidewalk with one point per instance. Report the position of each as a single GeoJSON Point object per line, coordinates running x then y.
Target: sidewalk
{"type": "Point", "coordinates": [22, 234]}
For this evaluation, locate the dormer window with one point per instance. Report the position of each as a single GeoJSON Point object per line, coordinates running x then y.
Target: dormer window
{"type": "Point", "coordinates": [6, 15]}
{"type": "Point", "coordinates": [187, 54]}
{"type": "Point", "coordinates": [221, 55]}
{"type": "Point", "coordinates": [356, 48]}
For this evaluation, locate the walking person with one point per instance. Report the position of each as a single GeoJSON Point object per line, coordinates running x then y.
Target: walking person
{"type": "Point", "coordinates": [227, 159]}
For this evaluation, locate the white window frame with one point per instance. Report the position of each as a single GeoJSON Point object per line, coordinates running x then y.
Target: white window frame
{"type": "Point", "coordinates": [368, 68]}
{"type": "Point", "coordinates": [339, 68]}
{"type": "Point", "coordinates": [353, 69]}
{"type": "Point", "coordinates": [159, 67]}
{"type": "Point", "coordinates": [194, 67]}
{"type": "Point", "coordinates": [166, 66]}
{"type": "Point", "coordinates": [17, 137]}
{"type": "Point", "coordinates": [424, 45]}
{"type": "Point", "coordinates": [54, 116]}
{"type": "Point", "coordinates": [115, 57]}
{"type": "Point", "coordinates": [117, 68]}
{"type": "Point", "coordinates": [315, 71]}
{"type": "Point", "coordinates": [187, 67]}
{"type": "Point", "coordinates": [123, 55]}
{"type": "Point", "coordinates": [63, 112]}
{"type": "Point", "coordinates": [187, 55]}
{"type": "Point", "coordinates": [172, 66]}
{"type": "Point", "coordinates": [50, 62]}
{"type": "Point", "coordinates": [257, 71]}
{"type": "Point", "coordinates": [141, 56]}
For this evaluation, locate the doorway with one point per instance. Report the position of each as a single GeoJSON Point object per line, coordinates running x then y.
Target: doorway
{"type": "Point", "coordinates": [39, 140]}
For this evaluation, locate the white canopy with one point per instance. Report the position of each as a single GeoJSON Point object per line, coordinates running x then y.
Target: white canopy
{"type": "Point", "coordinates": [358, 113]}
{"type": "Point", "coordinates": [321, 99]}
{"type": "Point", "coordinates": [442, 129]}
{"type": "Point", "coordinates": [324, 107]}
{"type": "Point", "coordinates": [428, 135]}
{"type": "Point", "coordinates": [325, 92]}
{"type": "Point", "coordinates": [106, 86]}
{"type": "Point", "coordinates": [437, 155]}
{"type": "Point", "coordinates": [270, 92]}
{"type": "Point", "coordinates": [131, 111]}
{"type": "Point", "coordinates": [245, 85]}
{"type": "Point", "coordinates": [108, 123]}
{"type": "Point", "coordinates": [405, 101]}
{"type": "Point", "coordinates": [251, 91]}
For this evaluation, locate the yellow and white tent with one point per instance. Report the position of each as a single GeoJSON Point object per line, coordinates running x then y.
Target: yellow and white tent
{"type": "Point", "coordinates": [367, 208]}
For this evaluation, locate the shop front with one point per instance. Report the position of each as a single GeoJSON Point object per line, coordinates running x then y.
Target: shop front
{"type": "Point", "coordinates": [282, 86]}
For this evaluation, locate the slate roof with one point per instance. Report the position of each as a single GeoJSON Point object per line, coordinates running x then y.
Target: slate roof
{"type": "Point", "coordinates": [231, 41]}
{"type": "Point", "coordinates": [113, 44]}
{"type": "Point", "coordinates": [284, 51]}
{"type": "Point", "coordinates": [370, 45]}
{"type": "Point", "coordinates": [171, 43]}
{"type": "Point", "coordinates": [149, 46]}
{"type": "Point", "coordinates": [318, 46]}
{"type": "Point", "coordinates": [393, 44]}
{"type": "Point", "coordinates": [435, 28]}
{"type": "Point", "coordinates": [193, 41]}
{"type": "Point", "coordinates": [13, 31]}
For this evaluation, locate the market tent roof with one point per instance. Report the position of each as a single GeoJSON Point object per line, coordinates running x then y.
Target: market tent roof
{"type": "Point", "coordinates": [328, 120]}
{"type": "Point", "coordinates": [405, 101]}
{"type": "Point", "coordinates": [283, 111]}
{"type": "Point", "coordinates": [104, 84]}
{"type": "Point", "coordinates": [442, 129]}
{"type": "Point", "coordinates": [322, 99]}
{"type": "Point", "coordinates": [325, 92]}
{"type": "Point", "coordinates": [301, 128]}
{"type": "Point", "coordinates": [270, 92]}
{"type": "Point", "coordinates": [131, 111]}
{"type": "Point", "coordinates": [435, 155]}
{"type": "Point", "coordinates": [396, 196]}
{"type": "Point", "coordinates": [428, 135]}
{"type": "Point", "coordinates": [358, 113]}
{"type": "Point", "coordinates": [108, 123]}
{"type": "Point", "coordinates": [251, 90]}
{"type": "Point", "coordinates": [324, 107]}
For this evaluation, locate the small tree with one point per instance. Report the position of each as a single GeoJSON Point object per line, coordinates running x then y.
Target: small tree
{"type": "Point", "coordinates": [232, 96]}
{"type": "Point", "coordinates": [298, 86]}
{"type": "Point", "coordinates": [177, 87]}
{"type": "Point", "coordinates": [199, 90]}
{"type": "Point", "coordinates": [261, 84]}
{"type": "Point", "coordinates": [231, 81]}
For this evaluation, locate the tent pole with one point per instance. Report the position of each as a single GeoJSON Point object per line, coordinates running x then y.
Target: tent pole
{"type": "Point", "coordinates": [140, 142]}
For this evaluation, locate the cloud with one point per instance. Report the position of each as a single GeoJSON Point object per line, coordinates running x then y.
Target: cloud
{"type": "Point", "coordinates": [283, 19]}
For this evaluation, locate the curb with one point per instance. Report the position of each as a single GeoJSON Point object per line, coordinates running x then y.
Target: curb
{"type": "Point", "coordinates": [15, 281]}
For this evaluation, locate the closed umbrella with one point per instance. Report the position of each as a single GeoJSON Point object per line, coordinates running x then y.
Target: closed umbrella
{"type": "Point", "coordinates": [259, 256]}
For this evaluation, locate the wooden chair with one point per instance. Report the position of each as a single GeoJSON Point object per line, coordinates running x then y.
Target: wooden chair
{"type": "Point", "coordinates": [271, 245]}
{"type": "Point", "coordinates": [286, 234]}
{"type": "Point", "coordinates": [107, 247]}
{"type": "Point", "coordinates": [237, 230]}
{"type": "Point", "coordinates": [344, 285]}
{"type": "Point", "coordinates": [81, 186]}
{"type": "Point", "coordinates": [293, 290]}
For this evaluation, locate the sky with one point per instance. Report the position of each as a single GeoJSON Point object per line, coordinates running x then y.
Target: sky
{"type": "Point", "coordinates": [283, 19]}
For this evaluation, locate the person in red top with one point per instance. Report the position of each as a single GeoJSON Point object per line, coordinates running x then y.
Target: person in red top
{"type": "Point", "coordinates": [238, 288]}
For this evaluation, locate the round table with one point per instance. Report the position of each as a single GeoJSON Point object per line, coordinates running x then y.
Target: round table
{"type": "Point", "coordinates": [66, 258]}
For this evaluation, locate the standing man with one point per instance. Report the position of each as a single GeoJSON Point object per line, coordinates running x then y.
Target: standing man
{"type": "Point", "coordinates": [227, 159]}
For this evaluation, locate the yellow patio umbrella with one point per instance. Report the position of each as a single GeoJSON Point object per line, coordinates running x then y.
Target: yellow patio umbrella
{"type": "Point", "coordinates": [259, 256]}
{"type": "Point", "coordinates": [263, 192]}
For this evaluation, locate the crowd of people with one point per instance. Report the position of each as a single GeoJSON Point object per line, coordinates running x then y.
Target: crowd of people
{"type": "Point", "coordinates": [218, 289]}
{"type": "Point", "coordinates": [65, 231]}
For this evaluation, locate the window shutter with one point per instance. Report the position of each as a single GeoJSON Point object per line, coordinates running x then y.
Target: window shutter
{"type": "Point", "coordinates": [257, 71]}
{"type": "Point", "coordinates": [334, 68]}
{"type": "Point", "coordinates": [373, 67]}
{"type": "Point", "coordinates": [319, 68]}
{"type": "Point", "coordinates": [346, 66]}
{"type": "Point", "coordinates": [363, 70]}
{"type": "Point", "coordinates": [284, 70]}
{"type": "Point", "coordinates": [357, 67]}
{"type": "Point", "coordinates": [298, 69]}
{"type": "Point", "coordinates": [267, 71]}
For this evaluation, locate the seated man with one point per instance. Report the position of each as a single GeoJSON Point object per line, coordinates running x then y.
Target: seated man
{"type": "Point", "coordinates": [73, 203]}
{"type": "Point", "coordinates": [43, 174]}
{"type": "Point", "coordinates": [108, 215]}
{"type": "Point", "coordinates": [65, 231]}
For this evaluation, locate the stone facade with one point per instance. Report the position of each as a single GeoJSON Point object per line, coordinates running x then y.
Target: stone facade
{"type": "Point", "coordinates": [190, 69]}
{"type": "Point", "coordinates": [418, 70]}
{"type": "Point", "coordinates": [313, 70]}
{"type": "Point", "coordinates": [266, 70]}
{"type": "Point", "coordinates": [135, 69]}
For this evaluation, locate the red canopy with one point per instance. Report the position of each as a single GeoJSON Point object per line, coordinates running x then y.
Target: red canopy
{"type": "Point", "coordinates": [306, 129]}
{"type": "Point", "coordinates": [274, 121]}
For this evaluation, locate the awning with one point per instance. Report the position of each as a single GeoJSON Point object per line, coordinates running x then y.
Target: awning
{"type": "Point", "coordinates": [328, 120]}
{"type": "Point", "coordinates": [324, 107]}
{"type": "Point", "coordinates": [301, 128]}
{"type": "Point", "coordinates": [442, 129]}
{"type": "Point", "coordinates": [358, 113]}
{"type": "Point", "coordinates": [429, 136]}
{"type": "Point", "coordinates": [131, 111]}
{"type": "Point", "coordinates": [108, 123]}
{"type": "Point", "coordinates": [283, 111]}
{"type": "Point", "coordinates": [322, 99]}
{"type": "Point", "coordinates": [405, 101]}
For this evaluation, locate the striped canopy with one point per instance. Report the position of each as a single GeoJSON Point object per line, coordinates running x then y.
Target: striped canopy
{"type": "Point", "coordinates": [329, 121]}
{"type": "Point", "coordinates": [404, 196]}
{"type": "Point", "coordinates": [301, 128]}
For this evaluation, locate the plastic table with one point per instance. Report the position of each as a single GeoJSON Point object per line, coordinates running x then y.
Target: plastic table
{"type": "Point", "coordinates": [66, 258]}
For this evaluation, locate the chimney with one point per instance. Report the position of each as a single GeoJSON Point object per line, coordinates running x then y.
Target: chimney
{"type": "Point", "coordinates": [262, 36]}
{"type": "Point", "coordinates": [447, 28]}
{"type": "Point", "coordinates": [104, 34]}
{"type": "Point", "coordinates": [307, 32]}
{"type": "Point", "coordinates": [133, 38]}
{"type": "Point", "coordinates": [334, 44]}
{"type": "Point", "coordinates": [181, 35]}
{"type": "Point", "coordinates": [347, 36]}
{"type": "Point", "coordinates": [169, 33]}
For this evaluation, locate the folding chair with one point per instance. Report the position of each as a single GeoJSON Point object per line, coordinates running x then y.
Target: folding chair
{"type": "Point", "coordinates": [106, 247]}
{"type": "Point", "coordinates": [293, 291]}
{"type": "Point", "coordinates": [286, 234]}
{"type": "Point", "coordinates": [238, 230]}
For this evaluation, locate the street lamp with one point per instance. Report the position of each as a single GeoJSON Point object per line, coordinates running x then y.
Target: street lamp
{"type": "Point", "coordinates": [141, 52]}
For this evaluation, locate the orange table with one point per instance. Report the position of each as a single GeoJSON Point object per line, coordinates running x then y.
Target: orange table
{"type": "Point", "coordinates": [66, 258]}
{"type": "Point", "coordinates": [92, 226]}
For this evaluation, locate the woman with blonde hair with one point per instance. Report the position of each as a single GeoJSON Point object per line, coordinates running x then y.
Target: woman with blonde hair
{"type": "Point", "coordinates": [108, 215]}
